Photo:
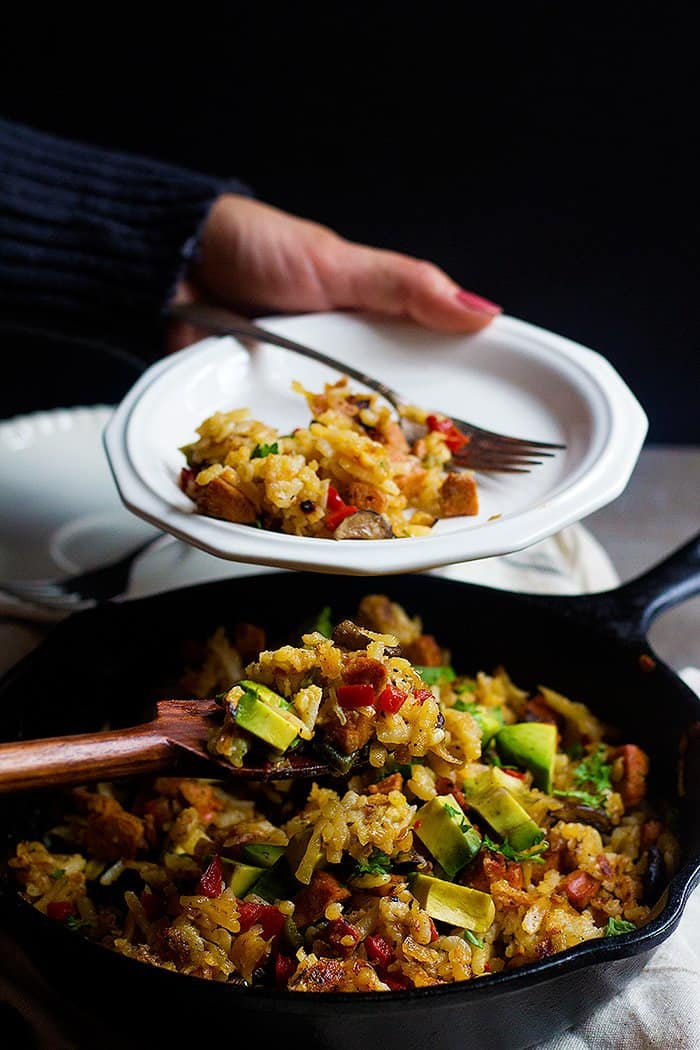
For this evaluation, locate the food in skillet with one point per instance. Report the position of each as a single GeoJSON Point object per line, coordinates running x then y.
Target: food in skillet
{"type": "Point", "coordinates": [523, 831]}
{"type": "Point", "coordinates": [349, 474]}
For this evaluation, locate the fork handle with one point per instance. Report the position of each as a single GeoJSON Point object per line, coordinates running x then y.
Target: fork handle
{"type": "Point", "coordinates": [224, 322]}
{"type": "Point", "coordinates": [29, 764]}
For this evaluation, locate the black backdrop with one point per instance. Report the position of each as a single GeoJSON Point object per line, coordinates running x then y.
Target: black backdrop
{"type": "Point", "coordinates": [543, 153]}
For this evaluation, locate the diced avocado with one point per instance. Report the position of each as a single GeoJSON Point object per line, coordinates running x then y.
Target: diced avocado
{"type": "Point", "coordinates": [435, 675]}
{"type": "Point", "coordinates": [303, 857]}
{"type": "Point", "coordinates": [493, 776]}
{"type": "Point", "coordinates": [268, 696]}
{"type": "Point", "coordinates": [263, 854]}
{"type": "Point", "coordinates": [457, 905]}
{"type": "Point", "coordinates": [530, 745]}
{"type": "Point", "coordinates": [490, 721]}
{"type": "Point", "coordinates": [275, 884]}
{"type": "Point", "coordinates": [243, 877]}
{"type": "Point", "coordinates": [261, 716]}
{"type": "Point", "coordinates": [501, 810]}
{"type": "Point", "coordinates": [443, 828]}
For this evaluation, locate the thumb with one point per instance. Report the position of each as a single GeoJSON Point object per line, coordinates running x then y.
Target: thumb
{"type": "Point", "coordinates": [401, 286]}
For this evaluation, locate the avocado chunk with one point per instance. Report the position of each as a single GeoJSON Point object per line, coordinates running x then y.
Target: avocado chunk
{"type": "Point", "coordinates": [489, 719]}
{"type": "Point", "coordinates": [501, 810]}
{"type": "Point", "coordinates": [457, 905]}
{"type": "Point", "coordinates": [494, 776]}
{"type": "Point", "coordinates": [260, 711]}
{"type": "Point", "coordinates": [262, 854]}
{"type": "Point", "coordinates": [444, 830]}
{"type": "Point", "coordinates": [243, 877]}
{"type": "Point", "coordinates": [530, 745]}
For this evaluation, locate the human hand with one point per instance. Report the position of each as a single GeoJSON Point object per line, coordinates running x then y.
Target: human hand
{"type": "Point", "coordinates": [256, 259]}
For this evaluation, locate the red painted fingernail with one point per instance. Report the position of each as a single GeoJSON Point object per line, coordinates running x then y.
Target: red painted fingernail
{"type": "Point", "coordinates": [477, 303]}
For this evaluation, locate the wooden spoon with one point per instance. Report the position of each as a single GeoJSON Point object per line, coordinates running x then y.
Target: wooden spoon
{"type": "Point", "coordinates": [178, 733]}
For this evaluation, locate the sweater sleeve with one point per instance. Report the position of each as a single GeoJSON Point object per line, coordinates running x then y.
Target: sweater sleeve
{"type": "Point", "coordinates": [93, 241]}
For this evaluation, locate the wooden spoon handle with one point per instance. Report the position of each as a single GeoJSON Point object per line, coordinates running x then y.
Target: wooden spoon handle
{"type": "Point", "coordinates": [87, 757]}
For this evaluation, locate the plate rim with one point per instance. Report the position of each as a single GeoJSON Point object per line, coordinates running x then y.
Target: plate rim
{"type": "Point", "coordinates": [610, 472]}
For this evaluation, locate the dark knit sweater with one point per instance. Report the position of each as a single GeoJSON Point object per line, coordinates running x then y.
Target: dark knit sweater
{"type": "Point", "coordinates": [93, 241]}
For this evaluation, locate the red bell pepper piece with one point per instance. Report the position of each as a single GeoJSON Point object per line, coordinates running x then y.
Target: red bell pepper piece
{"type": "Point", "coordinates": [390, 699]}
{"type": "Point", "coordinates": [333, 520]}
{"type": "Point", "coordinates": [378, 949]}
{"type": "Point", "coordinates": [266, 915]}
{"type": "Point", "coordinates": [60, 910]}
{"type": "Point", "coordinates": [360, 695]}
{"type": "Point", "coordinates": [284, 968]}
{"type": "Point", "coordinates": [423, 694]}
{"type": "Point", "coordinates": [211, 883]}
{"type": "Point", "coordinates": [454, 438]}
{"type": "Point", "coordinates": [334, 500]}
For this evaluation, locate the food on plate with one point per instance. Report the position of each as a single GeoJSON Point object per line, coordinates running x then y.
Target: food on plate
{"type": "Point", "coordinates": [351, 473]}
{"type": "Point", "coordinates": [486, 826]}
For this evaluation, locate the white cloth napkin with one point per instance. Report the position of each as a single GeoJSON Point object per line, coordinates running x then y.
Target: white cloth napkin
{"type": "Point", "coordinates": [658, 1010]}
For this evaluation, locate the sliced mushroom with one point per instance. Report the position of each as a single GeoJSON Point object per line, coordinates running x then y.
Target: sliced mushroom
{"type": "Point", "coordinates": [364, 525]}
{"type": "Point", "coordinates": [347, 635]}
{"type": "Point", "coordinates": [577, 812]}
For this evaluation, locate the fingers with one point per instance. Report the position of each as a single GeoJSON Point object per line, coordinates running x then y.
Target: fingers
{"type": "Point", "coordinates": [398, 285]}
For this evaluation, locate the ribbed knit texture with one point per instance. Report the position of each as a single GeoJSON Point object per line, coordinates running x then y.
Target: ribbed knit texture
{"type": "Point", "coordinates": [93, 241]}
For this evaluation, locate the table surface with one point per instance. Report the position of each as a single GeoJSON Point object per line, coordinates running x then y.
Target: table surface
{"type": "Point", "coordinates": [658, 512]}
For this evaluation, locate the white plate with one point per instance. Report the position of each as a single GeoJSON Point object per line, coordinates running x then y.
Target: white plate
{"type": "Point", "coordinates": [61, 512]}
{"type": "Point", "coordinates": [513, 377]}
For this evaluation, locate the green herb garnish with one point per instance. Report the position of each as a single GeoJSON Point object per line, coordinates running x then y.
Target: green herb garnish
{"type": "Point", "coordinates": [260, 451]}
{"type": "Point", "coordinates": [580, 796]}
{"type": "Point", "coordinates": [592, 775]}
{"type": "Point", "coordinates": [57, 874]}
{"type": "Point", "coordinates": [615, 927]}
{"type": "Point", "coordinates": [73, 923]}
{"type": "Point", "coordinates": [464, 824]}
{"type": "Point", "coordinates": [434, 675]}
{"type": "Point", "coordinates": [324, 624]}
{"type": "Point", "coordinates": [473, 939]}
{"type": "Point", "coordinates": [534, 854]}
{"type": "Point", "coordinates": [377, 863]}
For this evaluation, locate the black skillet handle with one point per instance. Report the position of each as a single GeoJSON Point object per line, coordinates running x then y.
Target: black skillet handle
{"type": "Point", "coordinates": [630, 609]}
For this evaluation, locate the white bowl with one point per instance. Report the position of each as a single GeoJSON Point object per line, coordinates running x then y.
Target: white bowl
{"type": "Point", "coordinates": [513, 377]}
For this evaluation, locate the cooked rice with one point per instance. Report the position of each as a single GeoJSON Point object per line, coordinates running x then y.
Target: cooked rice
{"type": "Point", "coordinates": [242, 470]}
{"type": "Point", "coordinates": [144, 867]}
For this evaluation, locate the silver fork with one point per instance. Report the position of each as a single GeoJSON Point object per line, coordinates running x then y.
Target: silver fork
{"type": "Point", "coordinates": [72, 594]}
{"type": "Point", "coordinates": [485, 450]}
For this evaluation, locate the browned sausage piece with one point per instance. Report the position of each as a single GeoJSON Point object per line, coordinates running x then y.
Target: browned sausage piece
{"type": "Point", "coordinates": [458, 496]}
{"type": "Point", "coordinates": [221, 499]}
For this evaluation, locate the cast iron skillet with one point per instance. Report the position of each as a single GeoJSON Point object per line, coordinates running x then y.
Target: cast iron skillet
{"type": "Point", "coordinates": [109, 663]}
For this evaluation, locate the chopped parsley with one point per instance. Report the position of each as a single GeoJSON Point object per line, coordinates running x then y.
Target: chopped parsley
{"type": "Point", "coordinates": [324, 624]}
{"type": "Point", "coordinates": [74, 923]}
{"type": "Point", "coordinates": [260, 451]}
{"type": "Point", "coordinates": [580, 796]}
{"type": "Point", "coordinates": [534, 854]}
{"type": "Point", "coordinates": [473, 939]}
{"type": "Point", "coordinates": [464, 824]}
{"type": "Point", "coordinates": [57, 874]}
{"type": "Point", "coordinates": [434, 675]}
{"type": "Point", "coordinates": [615, 927]}
{"type": "Point", "coordinates": [592, 779]}
{"type": "Point", "coordinates": [377, 863]}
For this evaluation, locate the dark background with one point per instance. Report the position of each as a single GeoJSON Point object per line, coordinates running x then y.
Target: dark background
{"type": "Point", "coordinates": [542, 153]}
